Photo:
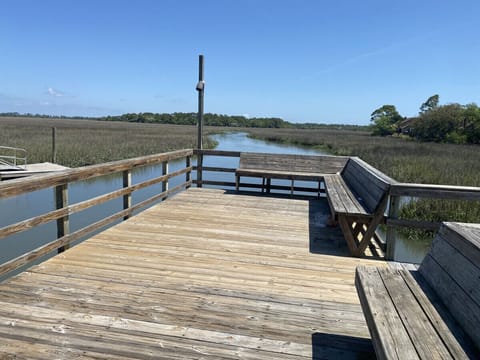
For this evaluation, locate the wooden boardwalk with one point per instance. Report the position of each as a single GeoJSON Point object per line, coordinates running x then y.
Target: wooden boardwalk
{"type": "Point", "coordinates": [205, 274]}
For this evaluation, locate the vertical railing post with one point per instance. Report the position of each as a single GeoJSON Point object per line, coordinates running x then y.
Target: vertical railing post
{"type": "Point", "coordinates": [393, 211]}
{"type": "Point", "coordinates": [127, 198]}
{"type": "Point", "coordinates": [188, 176]}
{"type": "Point", "coordinates": [54, 145]}
{"type": "Point", "coordinates": [63, 224]}
{"type": "Point", "coordinates": [199, 169]}
{"type": "Point", "coordinates": [165, 172]}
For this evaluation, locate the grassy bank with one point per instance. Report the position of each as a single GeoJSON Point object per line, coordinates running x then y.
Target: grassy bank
{"type": "Point", "coordinates": [86, 142]}
{"type": "Point", "coordinates": [404, 160]}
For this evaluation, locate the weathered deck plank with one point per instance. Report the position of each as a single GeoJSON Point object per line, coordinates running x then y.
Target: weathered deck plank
{"type": "Point", "coordinates": [204, 274]}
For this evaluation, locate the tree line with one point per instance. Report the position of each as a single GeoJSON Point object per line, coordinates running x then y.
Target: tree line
{"type": "Point", "coordinates": [210, 119]}
{"type": "Point", "coordinates": [450, 123]}
{"type": "Point", "coordinates": [180, 118]}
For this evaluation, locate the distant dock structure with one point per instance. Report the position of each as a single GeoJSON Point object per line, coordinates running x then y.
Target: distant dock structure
{"type": "Point", "coordinates": [7, 172]}
{"type": "Point", "coordinates": [13, 164]}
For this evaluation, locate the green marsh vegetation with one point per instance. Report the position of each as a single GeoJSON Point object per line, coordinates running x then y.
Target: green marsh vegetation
{"type": "Point", "coordinates": [403, 159]}
{"type": "Point", "coordinates": [87, 142]}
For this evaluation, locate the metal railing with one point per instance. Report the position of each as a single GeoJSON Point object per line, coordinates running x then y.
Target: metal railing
{"type": "Point", "coordinates": [13, 157]}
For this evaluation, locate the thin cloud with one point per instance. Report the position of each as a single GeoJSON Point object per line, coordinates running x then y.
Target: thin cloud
{"type": "Point", "coordinates": [51, 91]}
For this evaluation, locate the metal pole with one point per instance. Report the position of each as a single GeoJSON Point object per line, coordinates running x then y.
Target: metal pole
{"type": "Point", "coordinates": [201, 90]}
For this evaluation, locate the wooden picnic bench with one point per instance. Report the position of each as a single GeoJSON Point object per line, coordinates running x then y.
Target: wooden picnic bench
{"type": "Point", "coordinates": [287, 166]}
{"type": "Point", "coordinates": [432, 312]}
{"type": "Point", "coordinates": [358, 197]}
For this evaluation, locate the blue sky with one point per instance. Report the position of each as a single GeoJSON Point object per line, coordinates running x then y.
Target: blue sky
{"type": "Point", "coordinates": [301, 60]}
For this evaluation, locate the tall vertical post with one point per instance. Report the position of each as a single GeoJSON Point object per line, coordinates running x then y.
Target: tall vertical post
{"type": "Point", "coordinates": [54, 145]}
{"type": "Point", "coordinates": [201, 90]}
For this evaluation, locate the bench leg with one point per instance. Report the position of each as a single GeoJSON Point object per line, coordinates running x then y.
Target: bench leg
{"type": "Point", "coordinates": [352, 229]}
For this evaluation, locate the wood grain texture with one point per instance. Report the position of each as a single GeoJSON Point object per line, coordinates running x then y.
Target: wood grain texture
{"type": "Point", "coordinates": [403, 322]}
{"type": "Point", "coordinates": [452, 269]}
{"type": "Point", "coordinates": [20, 186]}
{"type": "Point", "coordinates": [204, 274]}
{"type": "Point", "coordinates": [438, 304]}
{"type": "Point", "coordinates": [284, 163]}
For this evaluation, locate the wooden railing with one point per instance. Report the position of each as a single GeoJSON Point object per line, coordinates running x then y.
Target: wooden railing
{"type": "Point", "coordinates": [200, 168]}
{"type": "Point", "coordinates": [201, 180]}
{"type": "Point", "coordinates": [429, 191]}
{"type": "Point", "coordinates": [60, 183]}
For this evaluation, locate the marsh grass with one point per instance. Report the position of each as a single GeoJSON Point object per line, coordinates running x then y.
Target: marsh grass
{"type": "Point", "coordinates": [405, 161]}
{"type": "Point", "coordinates": [86, 142]}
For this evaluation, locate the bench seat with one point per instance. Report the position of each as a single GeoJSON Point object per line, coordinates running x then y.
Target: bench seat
{"type": "Point", "coordinates": [341, 199]}
{"type": "Point", "coordinates": [432, 312]}
{"type": "Point", "coordinates": [358, 197]}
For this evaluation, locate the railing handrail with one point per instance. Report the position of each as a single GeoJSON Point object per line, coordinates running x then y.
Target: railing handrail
{"type": "Point", "coordinates": [447, 192]}
{"type": "Point", "coordinates": [20, 186]}
{"type": "Point", "coordinates": [60, 181]}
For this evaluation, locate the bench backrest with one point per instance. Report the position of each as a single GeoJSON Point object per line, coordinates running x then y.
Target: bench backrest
{"type": "Point", "coordinates": [368, 184]}
{"type": "Point", "coordinates": [452, 269]}
{"type": "Point", "coordinates": [320, 164]}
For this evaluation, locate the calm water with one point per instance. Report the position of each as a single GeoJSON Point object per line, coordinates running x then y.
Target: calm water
{"type": "Point", "coordinates": [32, 204]}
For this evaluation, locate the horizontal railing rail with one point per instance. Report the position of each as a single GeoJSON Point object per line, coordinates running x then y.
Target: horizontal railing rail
{"type": "Point", "coordinates": [60, 182]}
{"type": "Point", "coordinates": [429, 191]}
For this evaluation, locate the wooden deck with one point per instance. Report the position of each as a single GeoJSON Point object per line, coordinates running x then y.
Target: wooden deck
{"type": "Point", "coordinates": [205, 274]}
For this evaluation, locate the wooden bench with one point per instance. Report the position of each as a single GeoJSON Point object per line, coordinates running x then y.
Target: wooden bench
{"type": "Point", "coordinates": [358, 197]}
{"type": "Point", "coordinates": [432, 312]}
{"type": "Point", "coordinates": [285, 166]}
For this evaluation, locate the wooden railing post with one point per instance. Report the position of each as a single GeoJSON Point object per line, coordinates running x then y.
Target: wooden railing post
{"type": "Point", "coordinates": [63, 223]}
{"type": "Point", "coordinates": [393, 212]}
{"type": "Point", "coordinates": [199, 169]}
{"type": "Point", "coordinates": [54, 145]}
{"type": "Point", "coordinates": [165, 172]}
{"type": "Point", "coordinates": [127, 198]}
{"type": "Point", "coordinates": [188, 176]}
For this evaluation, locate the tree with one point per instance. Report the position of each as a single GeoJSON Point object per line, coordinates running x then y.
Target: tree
{"type": "Point", "coordinates": [471, 123]}
{"type": "Point", "coordinates": [441, 124]}
{"type": "Point", "coordinates": [385, 120]}
{"type": "Point", "coordinates": [430, 104]}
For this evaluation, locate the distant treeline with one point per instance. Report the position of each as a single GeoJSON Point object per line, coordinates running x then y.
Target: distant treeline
{"type": "Point", "coordinates": [180, 118]}
{"type": "Point", "coordinates": [29, 115]}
